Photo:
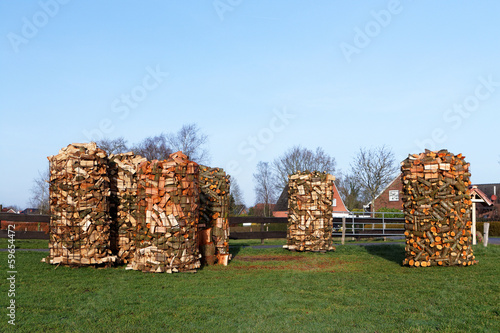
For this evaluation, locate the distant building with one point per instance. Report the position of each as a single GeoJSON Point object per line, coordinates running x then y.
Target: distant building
{"type": "Point", "coordinates": [487, 212]}
{"type": "Point", "coordinates": [240, 210]}
{"type": "Point", "coordinates": [31, 211]}
{"type": "Point", "coordinates": [260, 209]}
{"type": "Point", "coordinates": [9, 210]}
{"type": "Point", "coordinates": [390, 197]}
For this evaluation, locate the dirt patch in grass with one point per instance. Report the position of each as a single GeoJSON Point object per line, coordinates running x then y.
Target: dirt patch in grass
{"type": "Point", "coordinates": [283, 262]}
{"type": "Point", "coordinates": [269, 258]}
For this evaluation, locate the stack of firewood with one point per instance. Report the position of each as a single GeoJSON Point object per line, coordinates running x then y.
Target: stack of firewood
{"type": "Point", "coordinates": [123, 205]}
{"type": "Point", "coordinates": [213, 228]}
{"type": "Point", "coordinates": [166, 234]}
{"type": "Point", "coordinates": [310, 220]}
{"type": "Point", "coordinates": [437, 208]}
{"type": "Point", "coordinates": [79, 201]}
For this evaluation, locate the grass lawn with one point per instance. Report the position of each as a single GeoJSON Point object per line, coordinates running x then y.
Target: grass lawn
{"type": "Point", "coordinates": [355, 289]}
{"type": "Point", "coordinates": [26, 243]}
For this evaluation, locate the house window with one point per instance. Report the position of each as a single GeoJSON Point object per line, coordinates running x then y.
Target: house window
{"type": "Point", "coordinates": [334, 203]}
{"type": "Point", "coordinates": [394, 195]}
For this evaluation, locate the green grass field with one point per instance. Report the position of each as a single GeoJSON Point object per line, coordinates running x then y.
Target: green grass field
{"type": "Point", "coordinates": [26, 243]}
{"type": "Point", "coordinates": [355, 289]}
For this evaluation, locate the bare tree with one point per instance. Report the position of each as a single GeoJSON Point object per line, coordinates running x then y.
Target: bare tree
{"type": "Point", "coordinates": [40, 192]}
{"type": "Point", "coordinates": [113, 146]}
{"type": "Point", "coordinates": [350, 191]}
{"type": "Point", "coordinates": [265, 190]}
{"type": "Point", "coordinates": [153, 148]}
{"type": "Point", "coordinates": [236, 192]}
{"type": "Point", "coordinates": [236, 204]}
{"type": "Point", "coordinates": [301, 159]}
{"type": "Point", "coordinates": [191, 142]}
{"type": "Point", "coordinates": [374, 169]}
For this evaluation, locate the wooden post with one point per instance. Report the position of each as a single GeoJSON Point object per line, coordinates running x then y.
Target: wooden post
{"type": "Point", "coordinates": [343, 230]}
{"type": "Point", "coordinates": [474, 236]}
{"type": "Point", "coordinates": [486, 232]}
{"type": "Point", "coordinates": [262, 230]}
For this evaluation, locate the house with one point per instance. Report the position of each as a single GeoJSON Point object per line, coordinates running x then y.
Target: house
{"type": "Point", "coordinates": [477, 197]}
{"type": "Point", "coordinates": [240, 210]}
{"type": "Point", "coordinates": [489, 212]}
{"type": "Point", "coordinates": [261, 209]}
{"type": "Point", "coordinates": [390, 197]}
{"type": "Point", "coordinates": [31, 211]}
{"type": "Point", "coordinates": [22, 226]}
{"type": "Point", "coordinates": [281, 207]}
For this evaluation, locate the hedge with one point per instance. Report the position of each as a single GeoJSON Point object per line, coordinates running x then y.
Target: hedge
{"type": "Point", "coordinates": [494, 228]}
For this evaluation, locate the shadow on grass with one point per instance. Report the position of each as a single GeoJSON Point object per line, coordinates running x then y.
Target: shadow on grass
{"type": "Point", "coordinates": [391, 252]}
{"type": "Point", "coordinates": [234, 250]}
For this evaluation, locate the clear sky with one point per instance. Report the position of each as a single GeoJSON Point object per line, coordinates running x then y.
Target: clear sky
{"type": "Point", "coordinates": [257, 77]}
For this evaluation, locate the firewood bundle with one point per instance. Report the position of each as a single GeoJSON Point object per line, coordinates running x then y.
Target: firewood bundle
{"type": "Point", "coordinates": [310, 220]}
{"type": "Point", "coordinates": [79, 201]}
{"type": "Point", "coordinates": [437, 208]}
{"type": "Point", "coordinates": [213, 227]}
{"type": "Point", "coordinates": [166, 234]}
{"type": "Point", "coordinates": [123, 205]}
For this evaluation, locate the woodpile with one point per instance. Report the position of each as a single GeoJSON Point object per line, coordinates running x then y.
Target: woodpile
{"type": "Point", "coordinates": [124, 205]}
{"type": "Point", "coordinates": [213, 227]}
{"type": "Point", "coordinates": [166, 234]}
{"type": "Point", "coordinates": [437, 208]}
{"type": "Point", "coordinates": [310, 209]}
{"type": "Point", "coordinates": [79, 200]}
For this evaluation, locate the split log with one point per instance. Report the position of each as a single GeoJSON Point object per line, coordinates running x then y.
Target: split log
{"type": "Point", "coordinates": [124, 204]}
{"type": "Point", "coordinates": [310, 220]}
{"type": "Point", "coordinates": [79, 204]}
{"type": "Point", "coordinates": [214, 212]}
{"type": "Point", "coordinates": [437, 207]}
{"type": "Point", "coordinates": [166, 234]}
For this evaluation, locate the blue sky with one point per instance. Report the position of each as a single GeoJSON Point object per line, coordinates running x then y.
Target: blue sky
{"type": "Point", "coordinates": [336, 74]}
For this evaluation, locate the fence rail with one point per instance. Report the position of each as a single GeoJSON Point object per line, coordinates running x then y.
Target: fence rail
{"type": "Point", "coordinates": [355, 226]}
{"type": "Point", "coordinates": [12, 217]}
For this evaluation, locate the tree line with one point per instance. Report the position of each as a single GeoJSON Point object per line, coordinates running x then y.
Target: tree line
{"type": "Point", "coordinates": [189, 139]}
{"type": "Point", "coordinates": [370, 170]}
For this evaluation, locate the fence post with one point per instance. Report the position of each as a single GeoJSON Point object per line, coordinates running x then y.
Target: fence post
{"type": "Point", "coordinates": [262, 230]}
{"type": "Point", "coordinates": [353, 231]}
{"type": "Point", "coordinates": [486, 232]}
{"type": "Point", "coordinates": [343, 230]}
{"type": "Point", "coordinates": [383, 223]}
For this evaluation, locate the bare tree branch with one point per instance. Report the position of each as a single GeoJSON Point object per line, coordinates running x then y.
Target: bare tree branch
{"type": "Point", "coordinates": [236, 204]}
{"type": "Point", "coordinates": [350, 191]}
{"type": "Point", "coordinates": [301, 159]}
{"type": "Point", "coordinates": [265, 190]}
{"type": "Point", "coordinates": [236, 192]}
{"type": "Point", "coordinates": [191, 142]}
{"type": "Point", "coordinates": [40, 192]}
{"type": "Point", "coordinates": [113, 146]}
{"type": "Point", "coordinates": [374, 169]}
{"type": "Point", "coordinates": [153, 148]}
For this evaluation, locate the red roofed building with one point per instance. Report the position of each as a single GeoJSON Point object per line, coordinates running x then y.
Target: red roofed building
{"type": "Point", "coordinates": [390, 197]}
